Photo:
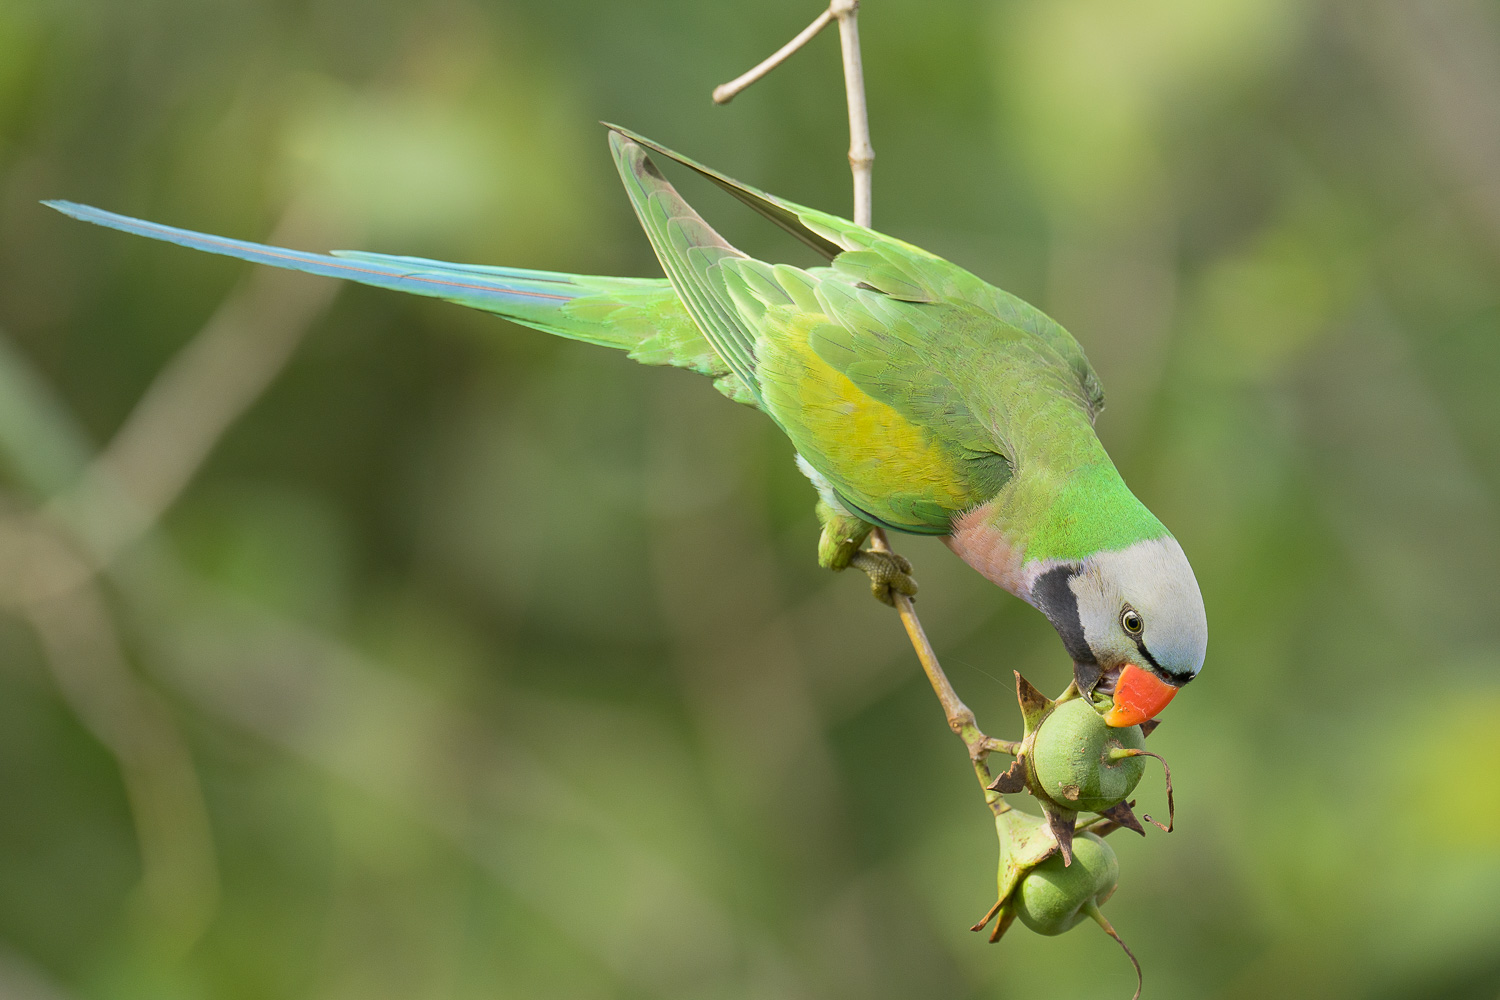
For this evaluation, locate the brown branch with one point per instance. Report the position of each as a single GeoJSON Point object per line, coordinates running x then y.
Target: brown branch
{"type": "Point", "coordinates": [724, 93]}
{"type": "Point", "coordinates": [960, 717]}
{"type": "Point", "coordinates": [54, 588]}
{"type": "Point", "coordinates": [861, 153]}
{"type": "Point", "coordinates": [57, 553]}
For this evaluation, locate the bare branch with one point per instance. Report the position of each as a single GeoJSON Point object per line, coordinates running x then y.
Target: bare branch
{"type": "Point", "coordinates": [960, 717]}
{"type": "Point", "coordinates": [724, 93]}
{"type": "Point", "coordinates": [57, 553]}
{"type": "Point", "coordinates": [861, 153]}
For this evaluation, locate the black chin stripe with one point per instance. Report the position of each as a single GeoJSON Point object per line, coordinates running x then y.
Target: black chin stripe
{"type": "Point", "coordinates": [1055, 598]}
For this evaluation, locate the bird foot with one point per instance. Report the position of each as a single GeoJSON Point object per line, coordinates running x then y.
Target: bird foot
{"type": "Point", "coordinates": [889, 575]}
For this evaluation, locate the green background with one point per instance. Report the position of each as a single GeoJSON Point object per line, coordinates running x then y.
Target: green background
{"type": "Point", "coordinates": [473, 663]}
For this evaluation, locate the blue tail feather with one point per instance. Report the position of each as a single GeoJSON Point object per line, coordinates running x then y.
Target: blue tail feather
{"type": "Point", "coordinates": [498, 289]}
{"type": "Point", "coordinates": [494, 270]}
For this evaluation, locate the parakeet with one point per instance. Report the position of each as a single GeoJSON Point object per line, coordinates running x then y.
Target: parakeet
{"type": "Point", "coordinates": [918, 398]}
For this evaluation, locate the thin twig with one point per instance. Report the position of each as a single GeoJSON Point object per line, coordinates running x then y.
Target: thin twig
{"type": "Point", "coordinates": [861, 153]}
{"type": "Point", "coordinates": [52, 585]}
{"type": "Point", "coordinates": [56, 554]}
{"type": "Point", "coordinates": [960, 717]}
{"type": "Point", "coordinates": [724, 93]}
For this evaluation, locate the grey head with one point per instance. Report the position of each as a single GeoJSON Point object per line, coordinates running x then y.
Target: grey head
{"type": "Point", "coordinates": [1137, 607]}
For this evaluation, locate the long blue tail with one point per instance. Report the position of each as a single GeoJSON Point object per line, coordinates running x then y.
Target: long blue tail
{"type": "Point", "coordinates": [482, 287]}
{"type": "Point", "coordinates": [639, 315]}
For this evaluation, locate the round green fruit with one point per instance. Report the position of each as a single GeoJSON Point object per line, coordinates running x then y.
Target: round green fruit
{"type": "Point", "coordinates": [1072, 758]}
{"type": "Point", "coordinates": [1053, 897]}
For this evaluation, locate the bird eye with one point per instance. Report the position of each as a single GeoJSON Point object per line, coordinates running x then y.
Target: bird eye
{"type": "Point", "coordinates": [1132, 622]}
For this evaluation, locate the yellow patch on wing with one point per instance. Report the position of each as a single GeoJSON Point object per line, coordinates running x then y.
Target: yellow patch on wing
{"type": "Point", "coordinates": [871, 453]}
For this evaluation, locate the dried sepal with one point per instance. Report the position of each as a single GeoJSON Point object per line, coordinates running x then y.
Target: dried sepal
{"type": "Point", "coordinates": [1011, 780]}
{"type": "Point", "coordinates": [1061, 825]}
{"type": "Point", "coordinates": [1119, 817]}
{"type": "Point", "coordinates": [980, 924]}
{"type": "Point", "coordinates": [1007, 917]}
{"type": "Point", "coordinates": [1034, 704]}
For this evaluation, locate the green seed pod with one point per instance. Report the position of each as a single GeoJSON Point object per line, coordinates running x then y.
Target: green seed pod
{"type": "Point", "coordinates": [1052, 898]}
{"type": "Point", "coordinates": [1072, 760]}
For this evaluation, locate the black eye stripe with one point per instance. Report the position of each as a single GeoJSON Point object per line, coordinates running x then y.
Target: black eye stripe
{"type": "Point", "coordinates": [1146, 653]}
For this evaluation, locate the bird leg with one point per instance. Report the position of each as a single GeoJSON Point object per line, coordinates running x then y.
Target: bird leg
{"type": "Point", "coordinates": [843, 534]}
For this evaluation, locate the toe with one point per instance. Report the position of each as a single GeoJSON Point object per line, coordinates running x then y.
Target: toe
{"type": "Point", "coordinates": [889, 575]}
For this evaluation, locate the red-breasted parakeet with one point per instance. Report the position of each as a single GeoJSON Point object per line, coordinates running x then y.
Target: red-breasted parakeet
{"type": "Point", "coordinates": [918, 397]}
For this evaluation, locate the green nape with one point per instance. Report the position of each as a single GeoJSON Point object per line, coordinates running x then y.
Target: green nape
{"type": "Point", "coordinates": [1071, 516]}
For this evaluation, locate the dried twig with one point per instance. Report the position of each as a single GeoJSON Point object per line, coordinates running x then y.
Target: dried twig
{"type": "Point", "coordinates": [725, 92]}
{"type": "Point", "coordinates": [54, 588]}
{"type": "Point", "coordinates": [960, 717]}
{"type": "Point", "coordinates": [861, 153]}
{"type": "Point", "coordinates": [179, 887]}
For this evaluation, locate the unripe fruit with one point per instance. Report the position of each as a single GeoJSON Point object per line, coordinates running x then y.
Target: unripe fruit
{"type": "Point", "coordinates": [1047, 895]}
{"type": "Point", "coordinates": [1052, 898]}
{"type": "Point", "coordinates": [1072, 758]}
{"type": "Point", "coordinates": [1052, 874]}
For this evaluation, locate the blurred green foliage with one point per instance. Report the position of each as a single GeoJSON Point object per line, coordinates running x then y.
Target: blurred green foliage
{"type": "Point", "coordinates": [473, 663]}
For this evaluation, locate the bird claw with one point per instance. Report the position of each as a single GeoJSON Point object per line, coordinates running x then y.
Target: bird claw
{"type": "Point", "coordinates": [889, 575]}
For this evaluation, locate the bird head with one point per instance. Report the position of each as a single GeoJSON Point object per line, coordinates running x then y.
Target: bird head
{"type": "Point", "coordinates": [1133, 621]}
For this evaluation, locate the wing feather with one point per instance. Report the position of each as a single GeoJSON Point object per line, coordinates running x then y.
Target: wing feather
{"type": "Point", "coordinates": [690, 252]}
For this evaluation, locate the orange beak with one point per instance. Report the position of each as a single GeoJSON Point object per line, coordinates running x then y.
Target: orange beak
{"type": "Point", "coordinates": [1139, 695]}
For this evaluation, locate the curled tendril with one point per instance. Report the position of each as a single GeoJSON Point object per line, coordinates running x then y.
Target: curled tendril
{"type": "Point", "coordinates": [1121, 754]}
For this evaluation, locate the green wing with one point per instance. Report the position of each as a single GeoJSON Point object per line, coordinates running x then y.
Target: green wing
{"type": "Point", "coordinates": [690, 252]}
{"type": "Point", "coordinates": [875, 400]}
{"type": "Point", "coordinates": [898, 268]}
{"type": "Point", "coordinates": [892, 371]}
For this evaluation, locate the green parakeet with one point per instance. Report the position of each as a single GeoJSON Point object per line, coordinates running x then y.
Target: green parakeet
{"type": "Point", "coordinates": [918, 397]}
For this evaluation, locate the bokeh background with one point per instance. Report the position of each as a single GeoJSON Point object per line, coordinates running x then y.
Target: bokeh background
{"type": "Point", "coordinates": [360, 646]}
